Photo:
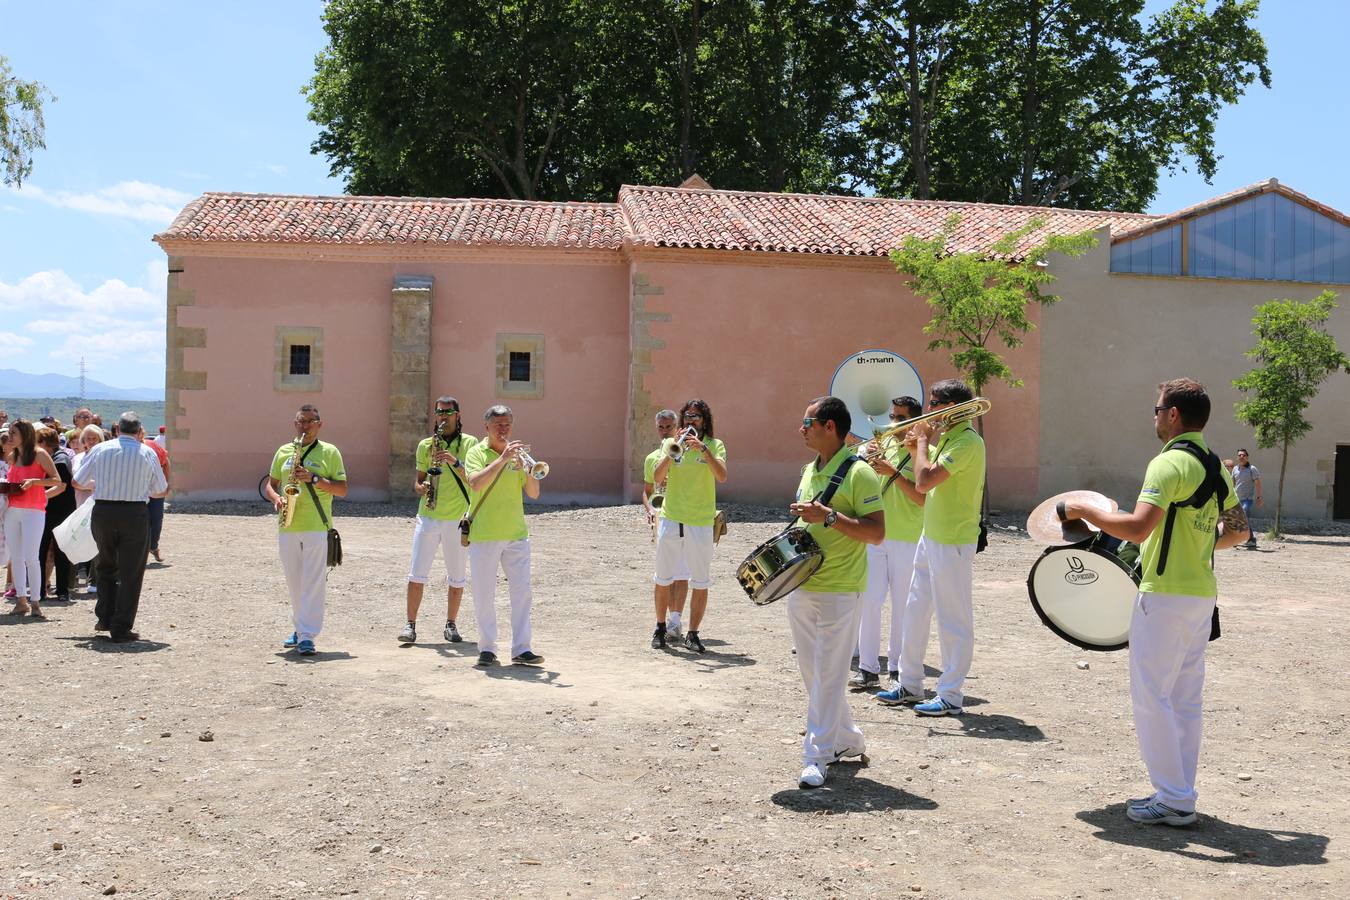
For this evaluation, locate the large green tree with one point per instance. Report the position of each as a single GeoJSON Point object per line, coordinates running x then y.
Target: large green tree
{"type": "Point", "coordinates": [1078, 103]}
{"type": "Point", "coordinates": [1295, 354]}
{"type": "Point", "coordinates": [22, 128]}
{"type": "Point", "coordinates": [568, 99]}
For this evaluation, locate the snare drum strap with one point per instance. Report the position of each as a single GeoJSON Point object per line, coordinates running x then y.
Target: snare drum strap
{"type": "Point", "coordinates": [836, 479]}
{"type": "Point", "coordinates": [1212, 488]}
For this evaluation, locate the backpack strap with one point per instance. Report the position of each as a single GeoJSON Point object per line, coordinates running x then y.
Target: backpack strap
{"type": "Point", "coordinates": [1212, 487]}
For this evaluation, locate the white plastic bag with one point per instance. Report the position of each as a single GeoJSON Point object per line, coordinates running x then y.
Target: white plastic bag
{"type": "Point", "coordinates": [75, 537]}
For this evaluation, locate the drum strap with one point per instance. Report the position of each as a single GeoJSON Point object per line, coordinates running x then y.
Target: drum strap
{"type": "Point", "coordinates": [1213, 487]}
{"type": "Point", "coordinates": [836, 479]}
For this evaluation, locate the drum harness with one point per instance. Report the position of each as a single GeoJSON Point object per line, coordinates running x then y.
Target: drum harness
{"type": "Point", "coordinates": [1212, 488]}
{"type": "Point", "coordinates": [836, 480]}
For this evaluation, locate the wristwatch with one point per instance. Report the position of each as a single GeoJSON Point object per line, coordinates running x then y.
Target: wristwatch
{"type": "Point", "coordinates": [830, 518]}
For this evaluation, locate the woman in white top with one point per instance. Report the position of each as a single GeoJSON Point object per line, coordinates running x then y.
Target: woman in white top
{"type": "Point", "coordinates": [88, 439]}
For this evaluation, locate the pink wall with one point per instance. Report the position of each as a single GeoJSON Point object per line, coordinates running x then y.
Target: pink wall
{"type": "Point", "coordinates": [758, 342]}
{"type": "Point", "coordinates": [578, 426]}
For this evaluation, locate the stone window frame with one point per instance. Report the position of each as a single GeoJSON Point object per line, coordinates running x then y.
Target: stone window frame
{"type": "Point", "coordinates": [288, 336]}
{"type": "Point", "coordinates": [533, 344]}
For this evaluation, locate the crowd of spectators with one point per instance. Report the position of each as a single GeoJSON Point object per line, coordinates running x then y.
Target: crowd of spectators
{"type": "Point", "coordinates": [37, 493]}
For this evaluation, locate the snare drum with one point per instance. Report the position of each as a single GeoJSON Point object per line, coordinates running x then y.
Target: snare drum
{"type": "Point", "coordinates": [1085, 594]}
{"type": "Point", "coordinates": [779, 566]}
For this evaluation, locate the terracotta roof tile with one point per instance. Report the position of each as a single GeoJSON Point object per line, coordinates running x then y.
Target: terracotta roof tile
{"type": "Point", "coordinates": [269, 218]}
{"type": "Point", "coordinates": [843, 226]}
{"type": "Point", "coordinates": [643, 216]}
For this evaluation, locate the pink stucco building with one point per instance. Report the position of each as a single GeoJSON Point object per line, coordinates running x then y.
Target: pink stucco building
{"type": "Point", "coordinates": [588, 318]}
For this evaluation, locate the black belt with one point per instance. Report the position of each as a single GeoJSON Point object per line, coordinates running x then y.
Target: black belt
{"type": "Point", "coordinates": [122, 502]}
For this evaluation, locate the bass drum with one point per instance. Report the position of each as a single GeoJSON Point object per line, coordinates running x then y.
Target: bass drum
{"type": "Point", "coordinates": [779, 566]}
{"type": "Point", "coordinates": [1085, 594]}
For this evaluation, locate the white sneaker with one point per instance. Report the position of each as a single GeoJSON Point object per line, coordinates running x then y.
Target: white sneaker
{"type": "Point", "coordinates": [673, 632]}
{"type": "Point", "coordinates": [813, 776]}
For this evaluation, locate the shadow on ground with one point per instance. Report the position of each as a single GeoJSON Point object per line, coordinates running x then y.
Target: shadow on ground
{"type": "Point", "coordinates": [1211, 840]}
{"type": "Point", "coordinates": [848, 790]}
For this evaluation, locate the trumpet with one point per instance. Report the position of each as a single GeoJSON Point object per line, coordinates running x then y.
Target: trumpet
{"type": "Point", "coordinates": [290, 492]}
{"type": "Point", "coordinates": [675, 448]}
{"type": "Point", "coordinates": [941, 420]}
{"type": "Point", "coordinates": [527, 463]}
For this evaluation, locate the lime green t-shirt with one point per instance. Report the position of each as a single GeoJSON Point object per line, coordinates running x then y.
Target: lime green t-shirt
{"type": "Point", "coordinates": [1173, 476]}
{"type": "Point", "coordinates": [691, 488]}
{"type": "Point", "coordinates": [324, 461]}
{"type": "Point", "coordinates": [502, 516]}
{"type": "Point", "coordinates": [845, 566]}
{"type": "Point", "coordinates": [649, 465]}
{"type": "Point", "coordinates": [904, 517]}
{"type": "Point", "coordinates": [450, 502]}
{"type": "Point", "coordinates": [951, 511]}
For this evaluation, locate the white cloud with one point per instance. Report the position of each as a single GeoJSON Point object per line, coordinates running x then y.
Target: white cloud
{"type": "Point", "coordinates": [138, 200]}
{"type": "Point", "coordinates": [11, 342]}
{"type": "Point", "coordinates": [114, 320]}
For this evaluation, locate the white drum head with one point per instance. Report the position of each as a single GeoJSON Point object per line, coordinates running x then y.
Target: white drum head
{"type": "Point", "coordinates": [1085, 595]}
{"type": "Point", "coordinates": [868, 381]}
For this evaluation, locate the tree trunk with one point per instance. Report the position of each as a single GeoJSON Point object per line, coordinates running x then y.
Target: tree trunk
{"type": "Point", "coordinates": [1279, 495]}
{"type": "Point", "coordinates": [1030, 106]}
{"type": "Point", "coordinates": [918, 126]}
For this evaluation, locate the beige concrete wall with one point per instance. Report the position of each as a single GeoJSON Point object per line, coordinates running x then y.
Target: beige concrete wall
{"type": "Point", "coordinates": [759, 337]}
{"type": "Point", "coordinates": [1113, 338]}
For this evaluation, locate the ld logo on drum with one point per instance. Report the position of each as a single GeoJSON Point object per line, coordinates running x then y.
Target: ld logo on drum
{"type": "Point", "coordinates": [1079, 573]}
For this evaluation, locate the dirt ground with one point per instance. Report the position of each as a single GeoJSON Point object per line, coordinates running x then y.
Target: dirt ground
{"type": "Point", "coordinates": [619, 771]}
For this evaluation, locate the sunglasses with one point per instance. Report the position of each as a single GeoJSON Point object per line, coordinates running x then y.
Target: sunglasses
{"type": "Point", "coordinates": [446, 412]}
{"type": "Point", "coordinates": [1158, 409]}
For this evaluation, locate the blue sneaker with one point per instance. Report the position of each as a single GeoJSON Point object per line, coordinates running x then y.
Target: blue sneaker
{"type": "Point", "coordinates": [898, 696]}
{"type": "Point", "coordinates": [1159, 814]}
{"type": "Point", "coordinates": [291, 641]}
{"type": "Point", "coordinates": [305, 648]}
{"type": "Point", "coordinates": [938, 707]}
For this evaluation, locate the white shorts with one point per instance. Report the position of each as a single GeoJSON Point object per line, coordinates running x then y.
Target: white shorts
{"type": "Point", "coordinates": [688, 556]}
{"type": "Point", "coordinates": [430, 534]}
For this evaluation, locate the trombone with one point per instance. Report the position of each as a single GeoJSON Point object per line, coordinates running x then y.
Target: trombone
{"type": "Point", "coordinates": [942, 420]}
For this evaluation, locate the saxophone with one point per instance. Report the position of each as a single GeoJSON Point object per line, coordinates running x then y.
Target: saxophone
{"type": "Point", "coordinates": [434, 472]}
{"type": "Point", "coordinates": [290, 492]}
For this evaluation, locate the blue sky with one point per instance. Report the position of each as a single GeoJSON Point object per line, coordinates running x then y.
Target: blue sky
{"type": "Point", "coordinates": [158, 102]}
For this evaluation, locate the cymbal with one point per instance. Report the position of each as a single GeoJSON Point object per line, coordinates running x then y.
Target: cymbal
{"type": "Point", "coordinates": [1044, 526]}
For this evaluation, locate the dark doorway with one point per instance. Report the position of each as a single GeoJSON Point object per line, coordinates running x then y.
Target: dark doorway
{"type": "Point", "coordinates": [1340, 503]}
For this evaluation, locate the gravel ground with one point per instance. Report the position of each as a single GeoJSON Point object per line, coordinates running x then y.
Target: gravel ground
{"type": "Point", "coordinates": [206, 762]}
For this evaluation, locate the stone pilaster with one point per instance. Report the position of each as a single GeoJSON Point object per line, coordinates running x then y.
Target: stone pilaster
{"type": "Point", "coordinates": [409, 378]}
{"type": "Point", "coordinates": [641, 409]}
{"type": "Point", "coordinates": [177, 377]}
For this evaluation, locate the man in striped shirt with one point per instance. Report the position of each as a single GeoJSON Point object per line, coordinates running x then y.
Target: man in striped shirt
{"type": "Point", "coordinates": [125, 474]}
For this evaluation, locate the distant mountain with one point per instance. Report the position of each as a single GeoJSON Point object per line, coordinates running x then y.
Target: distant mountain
{"type": "Point", "coordinates": [14, 383]}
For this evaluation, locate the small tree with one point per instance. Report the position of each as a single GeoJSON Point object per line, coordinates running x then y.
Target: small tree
{"type": "Point", "coordinates": [976, 297]}
{"type": "Point", "coordinates": [1296, 354]}
{"type": "Point", "coordinates": [21, 124]}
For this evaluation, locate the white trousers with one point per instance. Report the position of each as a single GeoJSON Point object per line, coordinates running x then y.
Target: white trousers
{"type": "Point", "coordinates": [1168, 635]}
{"type": "Point", "coordinates": [890, 566]}
{"type": "Point", "coordinates": [429, 535]}
{"type": "Point", "coordinates": [687, 555]}
{"type": "Point", "coordinates": [23, 537]}
{"type": "Point", "coordinates": [943, 574]}
{"type": "Point", "coordinates": [514, 559]}
{"type": "Point", "coordinates": [304, 558]}
{"type": "Point", "coordinates": [824, 627]}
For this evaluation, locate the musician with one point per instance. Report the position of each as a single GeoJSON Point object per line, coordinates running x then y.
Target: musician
{"type": "Point", "coordinates": [1170, 627]}
{"type": "Point", "coordinates": [317, 467]}
{"type": "Point", "coordinates": [890, 565]}
{"type": "Point", "coordinates": [679, 589]}
{"type": "Point", "coordinates": [499, 536]}
{"type": "Point", "coordinates": [949, 471]}
{"type": "Point", "coordinates": [825, 611]}
{"type": "Point", "coordinates": [684, 539]}
{"type": "Point", "coordinates": [444, 501]}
